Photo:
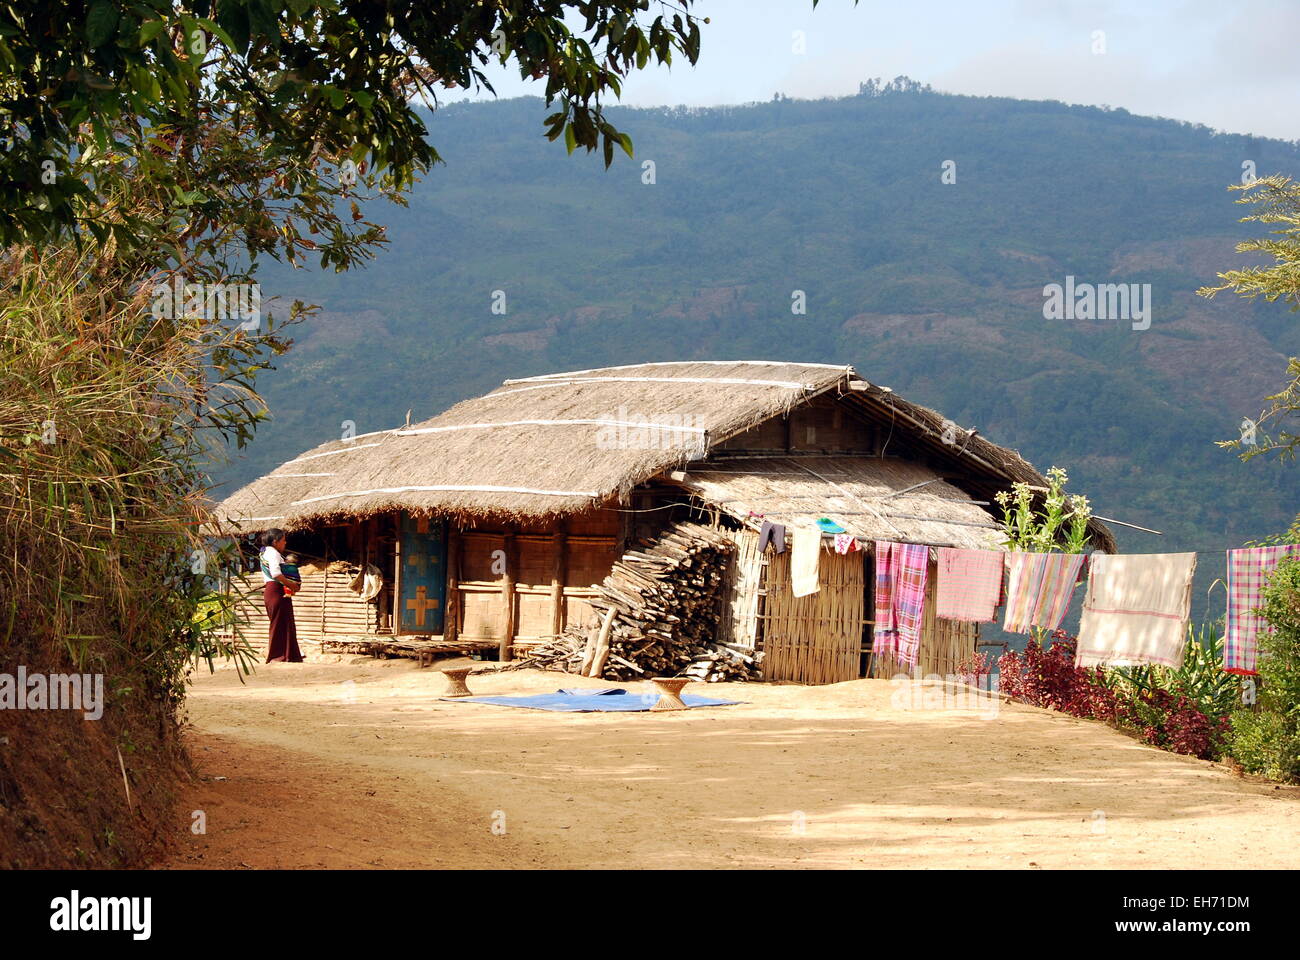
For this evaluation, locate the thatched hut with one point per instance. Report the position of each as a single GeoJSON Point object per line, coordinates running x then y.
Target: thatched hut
{"type": "Point", "coordinates": [494, 523]}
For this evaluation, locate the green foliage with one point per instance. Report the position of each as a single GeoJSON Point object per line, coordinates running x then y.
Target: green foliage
{"type": "Point", "coordinates": [304, 81]}
{"type": "Point", "coordinates": [104, 414]}
{"type": "Point", "coordinates": [1265, 744]}
{"type": "Point", "coordinates": [1200, 677]}
{"type": "Point", "coordinates": [1276, 200]}
{"type": "Point", "coordinates": [840, 198]}
{"type": "Point", "coordinates": [1266, 740]}
{"type": "Point", "coordinates": [1042, 521]}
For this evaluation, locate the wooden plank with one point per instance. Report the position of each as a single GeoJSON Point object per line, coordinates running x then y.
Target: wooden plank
{"type": "Point", "coordinates": [396, 619]}
{"type": "Point", "coordinates": [450, 623]}
{"type": "Point", "coordinates": [508, 598]}
{"type": "Point", "coordinates": [560, 550]}
{"type": "Point", "coordinates": [602, 645]}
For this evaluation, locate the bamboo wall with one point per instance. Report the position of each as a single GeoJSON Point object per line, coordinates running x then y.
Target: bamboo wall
{"type": "Point", "coordinates": [945, 644]}
{"type": "Point", "coordinates": [818, 638]}
{"type": "Point", "coordinates": [823, 425]}
{"type": "Point", "coordinates": [323, 607]}
{"type": "Point", "coordinates": [744, 576]}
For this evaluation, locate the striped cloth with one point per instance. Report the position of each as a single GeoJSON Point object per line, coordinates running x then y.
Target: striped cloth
{"type": "Point", "coordinates": [1248, 571]}
{"type": "Point", "coordinates": [970, 584]}
{"type": "Point", "coordinates": [1136, 610]}
{"type": "Point", "coordinates": [901, 570]}
{"type": "Point", "coordinates": [1039, 588]}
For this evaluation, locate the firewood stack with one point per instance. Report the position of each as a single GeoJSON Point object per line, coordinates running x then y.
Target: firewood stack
{"type": "Point", "coordinates": [659, 610]}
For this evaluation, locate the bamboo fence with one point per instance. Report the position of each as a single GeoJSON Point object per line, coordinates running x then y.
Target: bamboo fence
{"type": "Point", "coordinates": [815, 639]}
{"type": "Point", "coordinates": [946, 645]}
{"type": "Point", "coordinates": [744, 575]}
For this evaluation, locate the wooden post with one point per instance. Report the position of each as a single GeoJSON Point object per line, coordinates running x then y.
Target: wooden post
{"type": "Point", "coordinates": [601, 653]}
{"type": "Point", "coordinates": [508, 598]}
{"type": "Point", "coordinates": [451, 609]}
{"type": "Point", "coordinates": [396, 608]}
{"type": "Point", "coordinates": [559, 558]}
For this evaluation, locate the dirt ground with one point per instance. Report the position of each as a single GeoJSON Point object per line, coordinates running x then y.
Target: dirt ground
{"type": "Point", "coordinates": [355, 762]}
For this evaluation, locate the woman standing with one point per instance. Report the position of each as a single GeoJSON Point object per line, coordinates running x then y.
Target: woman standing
{"type": "Point", "coordinates": [276, 591]}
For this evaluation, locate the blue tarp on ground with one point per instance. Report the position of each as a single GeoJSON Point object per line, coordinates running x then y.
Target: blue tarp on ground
{"type": "Point", "coordinates": [607, 700]}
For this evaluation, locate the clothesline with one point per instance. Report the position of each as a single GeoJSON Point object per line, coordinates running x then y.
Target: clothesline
{"type": "Point", "coordinates": [1136, 607]}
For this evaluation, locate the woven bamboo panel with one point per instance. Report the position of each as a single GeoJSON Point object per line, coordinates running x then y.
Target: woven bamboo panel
{"type": "Point", "coordinates": [744, 576]}
{"type": "Point", "coordinates": [818, 638]}
{"type": "Point", "coordinates": [945, 644]}
{"type": "Point", "coordinates": [324, 605]}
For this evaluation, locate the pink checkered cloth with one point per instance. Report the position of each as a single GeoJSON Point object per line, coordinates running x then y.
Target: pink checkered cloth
{"type": "Point", "coordinates": [1248, 571]}
{"type": "Point", "coordinates": [970, 584]}
{"type": "Point", "coordinates": [901, 570]}
{"type": "Point", "coordinates": [1039, 588]}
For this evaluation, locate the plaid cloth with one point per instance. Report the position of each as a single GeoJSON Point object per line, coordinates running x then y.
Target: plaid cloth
{"type": "Point", "coordinates": [970, 584]}
{"type": "Point", "coordinates": [1039, 588]}
{"type": "Point", "coordinates": [1248, 571]}
{"type": "Point", "coordinates": [901, 570]}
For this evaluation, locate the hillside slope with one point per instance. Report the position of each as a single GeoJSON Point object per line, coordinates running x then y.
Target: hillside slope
{"type": "Point", "coordinates": [934, 289]}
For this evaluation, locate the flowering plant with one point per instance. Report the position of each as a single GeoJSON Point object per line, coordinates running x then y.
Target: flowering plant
{"type": "Point", "coordinates": [1061, 524]}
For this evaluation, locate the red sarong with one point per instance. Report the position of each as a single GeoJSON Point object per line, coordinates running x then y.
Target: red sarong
{"type": "Point", "coordinates": [284, 632]}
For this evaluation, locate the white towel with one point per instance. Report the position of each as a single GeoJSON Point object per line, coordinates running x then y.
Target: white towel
{"type": "Point", "coordinates": [1136, 609]}
{"type": "Point", "coordinates": [805, 555]}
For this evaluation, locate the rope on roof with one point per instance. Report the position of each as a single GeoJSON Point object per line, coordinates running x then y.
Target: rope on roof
{"type": "Point", "coordinates": [740, 381]}
{"type": "Point", "coordinates": [848, 494]}
{"type": "Point", "coordinates": [329, 453]}
{"type": "Point", "coordinates": [686, 363]}
{"type": "Point", "coordinates": [646, 424]}
{"type": "Point", "coordinates": [450, 488]}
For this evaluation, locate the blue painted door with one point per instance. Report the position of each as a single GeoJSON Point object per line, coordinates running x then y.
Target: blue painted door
{"type": "Point", "coordinates": [424, 575]}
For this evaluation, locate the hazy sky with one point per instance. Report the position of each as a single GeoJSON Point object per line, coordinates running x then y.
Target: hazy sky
{"type": "Point", "coordinates": [1233, 66]}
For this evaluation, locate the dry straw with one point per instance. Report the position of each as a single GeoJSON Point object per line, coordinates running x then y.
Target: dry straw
{"type": "Point", "coordinates": [559, 462]}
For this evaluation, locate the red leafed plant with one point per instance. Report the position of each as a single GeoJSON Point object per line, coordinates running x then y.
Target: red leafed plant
{"type": "Point", "coordinates": [1049, 678]}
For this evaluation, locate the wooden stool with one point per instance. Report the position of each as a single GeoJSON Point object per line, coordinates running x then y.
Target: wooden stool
{"type": "Point", "coordinates": [670, 692]}
{"type": "Point", "coordinates": [456, 681]}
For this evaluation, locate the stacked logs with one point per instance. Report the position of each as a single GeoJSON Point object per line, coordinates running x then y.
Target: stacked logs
{"type": "Point", "coordinates": [658, 610]}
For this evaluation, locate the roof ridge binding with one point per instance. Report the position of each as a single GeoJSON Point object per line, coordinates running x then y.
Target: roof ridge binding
{"type": "Point", "coordinates": [683, 363]}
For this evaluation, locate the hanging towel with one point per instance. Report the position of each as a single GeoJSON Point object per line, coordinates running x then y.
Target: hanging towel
{"type": "Point", "coordinates": [845, 543]}
{"type": "Point", "coordinates": [900, 599]}
{"type": "Point", "coordinates": [970, 584]}
{"type": "Point", "coordinates": [805, 555]}
{"type": "Point", "coordinates": [1248, 571]}
{"type": "Point", "coordinates": [1136, 610]}
{"type": "Point", "coordinates": [1039, 588]}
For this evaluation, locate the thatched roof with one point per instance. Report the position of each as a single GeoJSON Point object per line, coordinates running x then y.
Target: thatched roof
{"type": "Point", "coordinates": [872, 499]}
{"type": "Point", "coordinates": [563, 443]}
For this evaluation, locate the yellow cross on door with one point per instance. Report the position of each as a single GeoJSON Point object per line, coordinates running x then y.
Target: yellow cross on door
{"type": "Point", "coordinates": [421, 603]}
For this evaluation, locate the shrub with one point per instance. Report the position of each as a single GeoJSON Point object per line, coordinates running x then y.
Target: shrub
{"type": "Point", "coordinates": [1159, 706]}
{"type": "Point", "coordinates": [1266, 739]}
{"type": "Point", "coordinates": [1048, 678]}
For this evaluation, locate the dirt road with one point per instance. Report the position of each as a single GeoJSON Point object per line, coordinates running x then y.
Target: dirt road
{"type": "Point", "coordinates": [355, 762]}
